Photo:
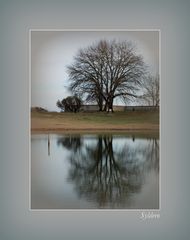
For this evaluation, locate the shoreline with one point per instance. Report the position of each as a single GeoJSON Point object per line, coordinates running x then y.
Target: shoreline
{"type": "Point", "coordinates": [128, 122]}
{"type": "Point", "coordinates": [94, 130]}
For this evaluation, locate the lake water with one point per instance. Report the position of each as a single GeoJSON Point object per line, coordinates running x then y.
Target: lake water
{"type": "Point", "coordinates": [94, 171]}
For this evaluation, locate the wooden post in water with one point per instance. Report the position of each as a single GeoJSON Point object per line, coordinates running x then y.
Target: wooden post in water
{"type": "Point", "coordinates": [48, 145]}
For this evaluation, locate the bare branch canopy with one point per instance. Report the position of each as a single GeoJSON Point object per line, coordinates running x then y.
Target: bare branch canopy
{"type": "Point", "coordinates": [105, 71]}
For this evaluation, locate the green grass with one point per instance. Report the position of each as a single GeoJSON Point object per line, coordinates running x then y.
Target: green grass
{"type": "Point", "coordinates": [116, 118]}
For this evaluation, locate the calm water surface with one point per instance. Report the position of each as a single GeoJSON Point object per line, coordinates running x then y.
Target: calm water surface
{"type": "Point", "coordinates": [90, 171]}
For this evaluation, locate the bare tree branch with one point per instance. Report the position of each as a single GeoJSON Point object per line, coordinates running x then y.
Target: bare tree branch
{"type": "Point", "coordinates": [106, 70]}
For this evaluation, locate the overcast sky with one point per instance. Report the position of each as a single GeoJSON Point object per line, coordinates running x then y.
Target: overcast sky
{"type": "Point", "coordinates": [53, 51]}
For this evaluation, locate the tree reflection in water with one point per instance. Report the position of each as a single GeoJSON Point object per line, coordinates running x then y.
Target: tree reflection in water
{"type": "Point", "coordinates": [107, 174]}
{"type": "Point", "coordinates": [70, 142]}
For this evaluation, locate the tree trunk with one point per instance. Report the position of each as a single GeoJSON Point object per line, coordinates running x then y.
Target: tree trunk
{"type": "Point", "coordinates": [105, 107]}
{"type": "Point", "coordinates": [110, 104]}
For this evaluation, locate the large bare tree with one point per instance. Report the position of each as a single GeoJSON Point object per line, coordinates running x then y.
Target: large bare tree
{"type": "Point", "coordinates": [105, 71]}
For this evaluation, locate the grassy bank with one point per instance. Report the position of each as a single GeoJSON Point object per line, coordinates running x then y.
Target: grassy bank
{"type": "Point", "coordinates": [95, 121]}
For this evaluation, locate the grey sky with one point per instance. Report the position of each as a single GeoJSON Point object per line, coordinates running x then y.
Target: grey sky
{"type": "Point", "coordinates": [53, 51]}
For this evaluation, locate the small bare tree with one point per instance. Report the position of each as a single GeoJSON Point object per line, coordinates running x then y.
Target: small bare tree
{"type": "Point", "coordinates": [151, 91]}
{"type": "Point", "coordinates": [70, 104]}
